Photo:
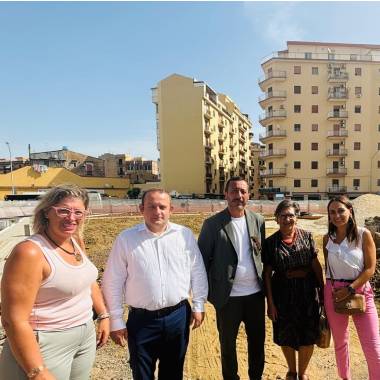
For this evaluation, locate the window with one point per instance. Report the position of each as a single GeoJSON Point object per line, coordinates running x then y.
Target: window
{"type": "Point", "coordinates": [356, 182]}
{"type": "Point", "coordinates": [314, 146]}
{"type": "Point", "coordinates": [358, 71]}
{"type": "Point", "coordinates": [356, 164]}
{"type": "Point", "coordinates": [308, 55]}
{"type": "Point", "coordinates": [297, 183]}
{"type": "Point", "coordinates": [314, 90]}
{"type": "Point", "coordinates": [358, 109]}
{"type": "Point", "coordinates": [379, 109]}
{"type": "Point", "coordinates": [297, 108]}
{"type": "Point", "coordinates": [378, 164]}
{"type": "Point", "coordinates": [378, 182]}
{"type": "Point", "coordinates": [378, 146]}
{"type": "Point", "coordinates": [331, 56]}
{"type": "Point", "coordinates": [88, 167]}
{"type": "Point", "coordinates": [378, 127]}
{"type": "Point", "coordinates": [356, 145]}
{"type": "Point", "coordinates": [297, 164]}
{"type": "Point", "coordinates": [379, 90]}
{"type": "Point", "coordinates": [297, 69]}
{"type": "Point", "coordinates": [353, 57]}
{"type": "Point", "coordinates": [297, 146]}
{"type": "Point", "coordinates": [314, 127]}
{"type": "Point", "coordinates": [314, 70]}
{"type": "Point", "coordinates": [270, 183]}
{"type": "Point", "coordinates": [314, 183]}
{"type": "Point", "coordinates": [297, 127]}
{"type": "Point", "coordinates": [314, 108]}
{"type": "Point", "coordinates": [297, 89]}
{"type": "Point", "coordinates": [357, 127]}
{"type": "Point", "coordinates": [358, 91]}
{"type": "Point", "coordinates": [314, 164]}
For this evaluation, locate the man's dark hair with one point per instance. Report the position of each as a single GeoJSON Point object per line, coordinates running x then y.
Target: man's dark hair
{"type": "Point", "coordinates": [234, 179]}
{"type": "Point", "coordinates": [154, 190]}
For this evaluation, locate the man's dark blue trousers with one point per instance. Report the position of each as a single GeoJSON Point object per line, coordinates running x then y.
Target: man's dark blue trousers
{"type": "Point", "coordinates": [161, 335]}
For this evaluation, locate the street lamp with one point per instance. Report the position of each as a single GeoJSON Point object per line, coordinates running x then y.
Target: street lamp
{"type": "Point", "coordinates": [10, 160]}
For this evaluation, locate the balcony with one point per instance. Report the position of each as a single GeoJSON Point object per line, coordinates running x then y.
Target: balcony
{"type": "Point", "coordinates": [338, 76]}
{"type": "Point", "coordinates": [273, 153]}
{"type": "Point", "coordinates": [221, 137]}
{"type": "Point", "coordinates": [272, 96]}
{"type": "Point", "coordinates": [272, 135]}
{"type": "Point", "coordinates": [272, 190]}
{"type": "Point", "coordinates": [242, 127]}
{"type": "Point", "coordinates": [341, 114]}
{"type": "Point", "coordinates": [208, 115]}
{"type": "Point", "coordinates": [281, 172]}
{"type": "Point", "coordinates": [337, 95]}
{"type": "Point", "coordinates": [271, 77]}
{"type": "Point", "coordinates": [209, 145]}
{"type": "Point", "coordinates": [337, 189]}
{"type": "Point", "coordinates": [221, 123]}
{"type": "Point", "coordinates": [271, 115]}
{"type": "Point", "coordinates": [337, 172]}
{"type": "Point", "coordinates": [336, 152]}
{"type": "Point", "coordinates": [337, 133]}
{"type": "Point", "coordinates": [207, 130]}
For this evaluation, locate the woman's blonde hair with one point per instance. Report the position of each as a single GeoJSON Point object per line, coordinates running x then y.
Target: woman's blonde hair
{"type": "Point", "coordinates": [52, 198]}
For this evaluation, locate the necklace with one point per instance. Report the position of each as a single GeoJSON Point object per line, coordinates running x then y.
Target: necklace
{"type": "Point", "coordinates": [77, 255]}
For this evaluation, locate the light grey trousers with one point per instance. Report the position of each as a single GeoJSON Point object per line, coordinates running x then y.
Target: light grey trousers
{"type": "Point", "coordinates": [68, 354]}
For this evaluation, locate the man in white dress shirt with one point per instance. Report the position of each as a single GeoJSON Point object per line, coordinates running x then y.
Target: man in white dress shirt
{"type": "Point", "coordinates": [153, 267]}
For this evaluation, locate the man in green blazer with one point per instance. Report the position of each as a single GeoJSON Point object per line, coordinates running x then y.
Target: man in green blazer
{"type": "Point", "coordinates": [230, 243]}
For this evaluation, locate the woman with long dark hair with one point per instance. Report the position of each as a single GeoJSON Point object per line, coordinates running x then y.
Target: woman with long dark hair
{"type": "Point", "coordinates": [350, 257]}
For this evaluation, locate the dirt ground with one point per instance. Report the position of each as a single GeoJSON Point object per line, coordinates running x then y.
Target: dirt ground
{"type": "Point", "coordinates": [203, 356]}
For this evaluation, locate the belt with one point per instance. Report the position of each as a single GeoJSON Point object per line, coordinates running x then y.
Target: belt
{"type": "Point", "coordinates": [300, 272]}
{"type": "Point", "coordinates": [339, 280]}
{"type": "Point", "coordinates": [157, 313]}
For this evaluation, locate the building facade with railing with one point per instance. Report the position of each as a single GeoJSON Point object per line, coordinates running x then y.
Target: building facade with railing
{"type": "Point", "coordinates": [202, 136]}
{"type": "Point", "coordinates": [321, 120]}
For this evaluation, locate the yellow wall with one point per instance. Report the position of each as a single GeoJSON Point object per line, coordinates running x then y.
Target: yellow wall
{"type": "Point", "coordinates": [28, 180]}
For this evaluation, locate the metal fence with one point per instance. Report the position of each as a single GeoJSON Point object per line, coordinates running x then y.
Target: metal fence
{"type": "Point", "coordinates": [16, 209]}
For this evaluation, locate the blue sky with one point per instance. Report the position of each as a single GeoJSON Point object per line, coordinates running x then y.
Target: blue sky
{"type": "Point", "coordinates": [79, 74]}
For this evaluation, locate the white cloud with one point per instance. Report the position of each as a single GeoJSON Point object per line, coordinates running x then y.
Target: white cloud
{"type": "Point", "coordinates": [282, 25]}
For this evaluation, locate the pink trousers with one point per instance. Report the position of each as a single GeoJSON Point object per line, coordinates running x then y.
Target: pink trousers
{"type": "Point", "coordinates": [367, 327]}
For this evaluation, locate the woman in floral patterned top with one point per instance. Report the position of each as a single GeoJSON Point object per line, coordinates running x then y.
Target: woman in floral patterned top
{"type": "Point", "coordinates": [294, 282]}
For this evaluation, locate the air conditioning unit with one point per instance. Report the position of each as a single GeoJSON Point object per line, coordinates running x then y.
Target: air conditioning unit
{"type": "Point", "coordinates": [356, 187]}
{"type": "Point", "coordinates": [358, 95]}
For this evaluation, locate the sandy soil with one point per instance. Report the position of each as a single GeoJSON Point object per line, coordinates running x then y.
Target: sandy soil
{"type": "Point", "coordinates": [203, 357]}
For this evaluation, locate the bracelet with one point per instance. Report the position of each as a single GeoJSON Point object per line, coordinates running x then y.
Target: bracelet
{"type": "Point", "coordinates": [35, 371]}
{"type": "Point", "coordinates": [102, 316]}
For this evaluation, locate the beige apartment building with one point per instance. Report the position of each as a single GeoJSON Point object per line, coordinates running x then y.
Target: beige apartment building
{"type": "Point", "coordinates": [202, 136]}
{"type": "Point", "coordinates": [321, 117]}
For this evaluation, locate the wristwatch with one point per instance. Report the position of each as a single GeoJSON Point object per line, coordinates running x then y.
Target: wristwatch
{"type": "Point", "coordinates": [351, 289]}
{"type": "Point", "coordinates": [35, 371]}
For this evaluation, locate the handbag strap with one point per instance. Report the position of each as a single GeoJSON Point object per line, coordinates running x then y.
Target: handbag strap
{"type": "Point", "coordinates": [328, 266]}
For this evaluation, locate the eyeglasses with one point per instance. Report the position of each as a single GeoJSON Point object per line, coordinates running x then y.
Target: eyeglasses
{"type": "Point", "coordinates": [63, 212]}
{"type": "Point", "coordinates": [287, 216]}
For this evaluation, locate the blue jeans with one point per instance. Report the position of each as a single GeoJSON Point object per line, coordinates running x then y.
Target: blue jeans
{"type": "Point", "coordinates": [163, 338]}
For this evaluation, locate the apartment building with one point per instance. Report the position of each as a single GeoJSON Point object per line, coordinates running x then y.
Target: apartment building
{"type": "Point", "coordinates": [78, 163]}
{"type": "Point", "coordinates": [257, 165]}
{"type": "Point", "coordinates": [137, 169]}
{"type": "Point", "coordinates": [321, 117]}
{"type": "Point", "coordinates": [202, 136]}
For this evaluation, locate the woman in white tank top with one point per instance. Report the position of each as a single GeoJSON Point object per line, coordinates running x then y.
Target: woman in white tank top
{"type": "Point", "coordinates": [351, 256]}
{"type": "Point", "coordinates": [48, 291]}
